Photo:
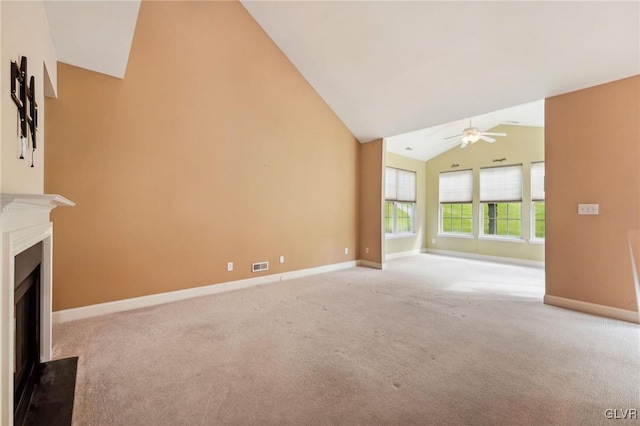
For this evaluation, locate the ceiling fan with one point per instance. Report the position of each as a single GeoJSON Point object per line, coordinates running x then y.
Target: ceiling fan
{"type": "Point", "coordinates": [473, 135]}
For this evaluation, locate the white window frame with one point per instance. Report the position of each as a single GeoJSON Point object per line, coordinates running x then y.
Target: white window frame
{"type": "Point", "coordinates": [496, 237]}
{"type": "Point", "coordinates": [458, 199]}
{"type": "Point", "coordinates": [535, 200]}
{"type": "Point", "coordinates": [497, 200]}
{"type": "Point", "coordinates": [443, 233]}
{"type": "Point", "coordinates": [533, 238]}
{"type": "Point", "coordinates": [411, 200]}
{"type": "Point", "coordinates": [395, 233]}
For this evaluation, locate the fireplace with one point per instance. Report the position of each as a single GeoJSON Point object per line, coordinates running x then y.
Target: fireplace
{"type": "Point", "coordinates": [27, 328]}
{"type": "Point", "coordinates": [25, 295]}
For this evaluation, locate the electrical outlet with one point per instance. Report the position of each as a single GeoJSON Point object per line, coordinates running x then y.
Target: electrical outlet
{"type": "Point", "coordinates": [366, 250]}
{"type": "Point", "coordinates": [229, 266]}
{"type": "Point", "coordinates": [281, 259]}
{"type": "Point", "coordinates": [433, 241]}
{"type": "Point", "coordinates": [346, 250]}
{"type": "Point", "coordinates": [588, 209]}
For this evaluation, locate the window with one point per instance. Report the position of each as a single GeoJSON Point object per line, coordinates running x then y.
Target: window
{"type": "Point", "coordinates": [456, 196]}
{"type": "Point", "coordinates": [457, 218]}
{"type": "Point", "coordinates": [400, 201]}
{"type": "Point", "coordinates": [501, 201]}
{"type": "Point", "coordinates": [537, 201]}
{"type": "Point", "coordinates": [502, 219]}
{"type": "Point", "coordinates": [389, 217]}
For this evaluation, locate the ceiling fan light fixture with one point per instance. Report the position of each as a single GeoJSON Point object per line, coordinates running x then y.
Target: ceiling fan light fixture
{"type": "Point", "coordinates": [473, 135]}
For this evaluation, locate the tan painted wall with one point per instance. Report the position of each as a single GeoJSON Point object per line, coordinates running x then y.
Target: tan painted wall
{"type": "Point", "coordinates": [372, 160]}
{"type": "Point", "coordinates": [522, 145]}
{"type": "Point", "coordinates": [593, 156]}
{"type": "Point", "coordinates": [416, 242]}
{"type": "Point", "coordinates": [212, 149]}
{"type": "Point", "coordinates": [25, 32]}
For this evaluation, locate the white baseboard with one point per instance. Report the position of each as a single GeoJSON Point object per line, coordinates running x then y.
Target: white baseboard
{"type": "Point", "coordinates": [593, 308]}
{"type": "Point", "coordinates": [403, 253]}
{"type": "Point", "coordinates": [484, 257]}
{"type": "Point", "coordinates": [369, 264]}
{"type": "Point", "coordinates": [172, 296]}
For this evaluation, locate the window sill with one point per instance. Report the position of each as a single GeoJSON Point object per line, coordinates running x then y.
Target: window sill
{"type": "Point", "coordinates": [537, 241]}
{"type": "Point", "coordinates": [395, 236]}
{"type": "Point", "coordinates": [452, 235]}
{"type": "Point", "coordinates": [500, 238]}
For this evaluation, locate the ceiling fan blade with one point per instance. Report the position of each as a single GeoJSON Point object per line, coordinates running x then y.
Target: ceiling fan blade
{"type": "Point", "coordinates": [456, 136]}
{"type": "Point", "coordinates": [493, 134]}
{"type": "Point", "coordinates": [487, 138]}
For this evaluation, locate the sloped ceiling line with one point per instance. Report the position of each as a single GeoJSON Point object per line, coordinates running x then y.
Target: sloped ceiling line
{"type": "Point", "coordinates": [388, 68]}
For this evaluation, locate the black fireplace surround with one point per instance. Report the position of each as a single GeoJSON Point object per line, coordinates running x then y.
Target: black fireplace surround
{"type": "Point", "coordinates": [43, 393]}
{"type": "Point", "coordinates": [27, 328]}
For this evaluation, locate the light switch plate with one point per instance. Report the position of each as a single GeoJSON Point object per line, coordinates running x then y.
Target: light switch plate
{"type": "Point", "coordinates": [588, 209]}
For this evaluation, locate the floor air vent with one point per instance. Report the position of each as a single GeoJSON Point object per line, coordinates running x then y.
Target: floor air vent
{"type": "Point", "coordinates": [260, 266]}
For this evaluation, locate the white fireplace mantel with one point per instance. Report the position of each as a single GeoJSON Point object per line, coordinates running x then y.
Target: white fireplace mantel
{"type": "Point", "coordinates": [24, 221]}
{"type": "Point", "coordinates": [24, 210]}
{"type": "Point", "coordinates": [33, 201]}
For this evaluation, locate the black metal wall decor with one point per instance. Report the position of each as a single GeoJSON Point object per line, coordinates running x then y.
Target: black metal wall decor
{"type": "Point", "coordinates": [24, 96]}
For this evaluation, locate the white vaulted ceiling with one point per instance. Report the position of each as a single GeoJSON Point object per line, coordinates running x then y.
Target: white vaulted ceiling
{"type": "Point", "coordinates": [387, 68]}
{"type": "Point", "coordinates": [392, 67]}
{"type": "Point", "coordinates": [95, 35]}
{"type": "Point", "coordinates": [424, 144]}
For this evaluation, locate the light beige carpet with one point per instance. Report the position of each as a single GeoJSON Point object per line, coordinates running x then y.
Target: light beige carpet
{"type": "Point", "coordinates": [431, 340]}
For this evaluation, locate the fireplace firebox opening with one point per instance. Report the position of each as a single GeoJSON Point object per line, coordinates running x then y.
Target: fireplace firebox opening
{"type": "Point", "coordinates": [27, 297]}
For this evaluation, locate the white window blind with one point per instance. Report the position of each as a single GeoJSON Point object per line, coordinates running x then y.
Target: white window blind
{"type": "Point", "coordinates": [456, 187]}
{"type": "Point", "coordinates": [390, 186]}
{"type": "Point", "coordinates": [406, 186]}
{"type": "Point", "coordinates": [501, 184]}
{"type": "Point", "coordinates": [400, 185]}
{"type": "Point", "coordinates": [537, 181]}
